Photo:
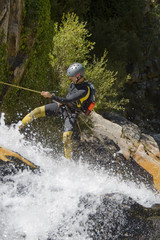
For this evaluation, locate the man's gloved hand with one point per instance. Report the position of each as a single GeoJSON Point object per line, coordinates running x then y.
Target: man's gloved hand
{"type": "Point", "coordinates": [46, 94]}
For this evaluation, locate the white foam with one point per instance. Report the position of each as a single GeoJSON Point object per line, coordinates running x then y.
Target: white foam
{"type": "Point", "coordinates": [37, 205]}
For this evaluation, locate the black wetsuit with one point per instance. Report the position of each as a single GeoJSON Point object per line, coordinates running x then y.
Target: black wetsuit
{"type": "Point", "coordinates": [71, 106]}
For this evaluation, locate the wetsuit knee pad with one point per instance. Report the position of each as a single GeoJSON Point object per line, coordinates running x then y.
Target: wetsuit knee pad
{"type": "Point", "coordinates": [36, 113]}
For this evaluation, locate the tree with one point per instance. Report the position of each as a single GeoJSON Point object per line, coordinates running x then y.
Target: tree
{"type": "Point", "coordinates": [71, 44]}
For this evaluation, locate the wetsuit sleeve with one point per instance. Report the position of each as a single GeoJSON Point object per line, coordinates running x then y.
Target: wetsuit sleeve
{"type": "Point", "coordinates": [72, 98]}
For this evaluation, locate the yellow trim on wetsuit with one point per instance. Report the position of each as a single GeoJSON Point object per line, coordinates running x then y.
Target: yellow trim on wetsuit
{"type": "Point", "coordinates": [84, 98]}
{"type": "Point", "coordinates": [67, 144]}
{"type": "Point", "coordinates": [36, 113]}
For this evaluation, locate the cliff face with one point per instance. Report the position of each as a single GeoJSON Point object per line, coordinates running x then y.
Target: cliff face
{"type": "Point", "coordinates": [11, 14]}
{"type": "Point", "coordinates": [143, 89]}
{"type": "Point", "coordinates": [4, 17]}
{"type": "Point", "coordinates": [11, 23]}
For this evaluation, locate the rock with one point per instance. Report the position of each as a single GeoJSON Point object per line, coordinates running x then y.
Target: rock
{"type": "Point", "coordinates": [119, 217]}
{"type": "Point", "coordinates": [156, 225]}
{"type": "Point", "coordinates": [104, 127]}
{"type": "Point", "coordinates": [157, 139]}
{"type": "Point", "coordinates": [11, 162]}
{"type": "Point", "coordinates": [124, 139]}
{"type": "Point", "coordinates": [135, 74]}
{"type": "Point", "coordinates": [110, 217]}
{"type": "Point", "coordinates": [156, 207]}
{"type": "Point", "coordinates": [11, 23]}
{"type": "Point", "coordinates": [148, 156]}
{"type": "Point", "coordinates": [131, 131]}
{"type": "Point", "coordinates": [15, 26]}
{"type": "Point", "coordinates": [4, 17]}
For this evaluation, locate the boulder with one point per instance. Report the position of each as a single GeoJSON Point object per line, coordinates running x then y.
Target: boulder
{"type": "Point", "coordinates": [115, 217]}
{"type": "Point", "coordinates": [120, 217]}
{"type": "Point", "coordinates": [11, 162]}
{"type": "Point", "coordinates": [120, 145]}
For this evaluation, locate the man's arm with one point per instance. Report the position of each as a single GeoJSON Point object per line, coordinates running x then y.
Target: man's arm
{"type": "Point", "coordinates": [80, 94]}
{"type": "Point", "coordinates": [72, 98]}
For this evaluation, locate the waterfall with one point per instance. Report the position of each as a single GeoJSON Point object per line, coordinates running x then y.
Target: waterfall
{"type": "Point", "coordinates": [47, 205]}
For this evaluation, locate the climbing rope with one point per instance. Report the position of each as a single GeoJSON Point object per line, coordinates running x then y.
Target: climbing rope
{"type": "Point", "coordinates": [27, 89]}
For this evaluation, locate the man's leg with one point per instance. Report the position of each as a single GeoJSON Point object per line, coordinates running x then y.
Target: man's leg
{"type": "Point", "coordinates": [70, 121]}
{"type": "Point", "coordinates": [47, 110]}
{"type": "Point", "coordinates": [67, 144]}
{"type": "Point", "coordinates": [36, 113]}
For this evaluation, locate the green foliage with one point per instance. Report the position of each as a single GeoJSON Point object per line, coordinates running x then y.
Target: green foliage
{"type": "Point", "coordinates": [119, 29]}
{"type": "Point", "coordinates": [38, 74]}
{"type": "Point", "coordinates": [80, 7]}
{"type": "Point", "coordinates": [70, 44]}
{"type": "Point", "coordinates": [129, 30]}
{"type": "Point", "coordinates": [152, 36]}
{"type": "Point", "coordinates": [105, 82]}
{"type": "Point", "coordinates": [36, 44]}
{"type": "Point", "coordinates": [4, 68]}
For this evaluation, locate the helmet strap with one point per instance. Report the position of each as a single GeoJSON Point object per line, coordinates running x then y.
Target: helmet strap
{"type": "Point", "coordinates": [79, 78]}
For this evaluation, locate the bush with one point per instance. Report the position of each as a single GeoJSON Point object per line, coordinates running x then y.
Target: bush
{"type": "Point", "coordinates": [105, 82]}
{"type": "Point", "coordinates": [71, 44]}
{"type": "Point", "coordinates": [4, 68]}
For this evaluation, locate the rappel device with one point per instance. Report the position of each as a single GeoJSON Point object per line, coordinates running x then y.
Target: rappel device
{"type": "Point", "coordinates": [91, 100]}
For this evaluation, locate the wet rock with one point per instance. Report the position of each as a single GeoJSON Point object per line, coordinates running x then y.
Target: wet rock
{"type": "Point", "coordinates": [12, 162]}
{"type": "Point", "coordinates": [119, 217]}
{"type": "Point", "coordinates": [111, 217]}
{"type": "Point", "coordinates": [120, 147]}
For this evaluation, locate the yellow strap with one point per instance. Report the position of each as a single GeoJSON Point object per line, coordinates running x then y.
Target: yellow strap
{"type": "Point", "coordinates": [84, 98]}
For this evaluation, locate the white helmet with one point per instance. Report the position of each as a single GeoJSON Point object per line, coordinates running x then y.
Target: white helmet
{"type": "Point", "coordinates": [75, 70]}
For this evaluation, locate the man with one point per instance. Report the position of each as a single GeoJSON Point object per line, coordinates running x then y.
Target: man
{"type": "Point", "coordinates": [68, 107]}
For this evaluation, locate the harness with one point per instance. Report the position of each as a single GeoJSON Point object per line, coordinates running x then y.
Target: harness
{"type": "Point", "coordinates": [80, 101]}
{"type": "Point", "coordinates": [87, 103]}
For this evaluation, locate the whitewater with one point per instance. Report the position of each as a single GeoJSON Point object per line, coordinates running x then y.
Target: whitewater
{"type": "Point", "coordinates": [44, 205]}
